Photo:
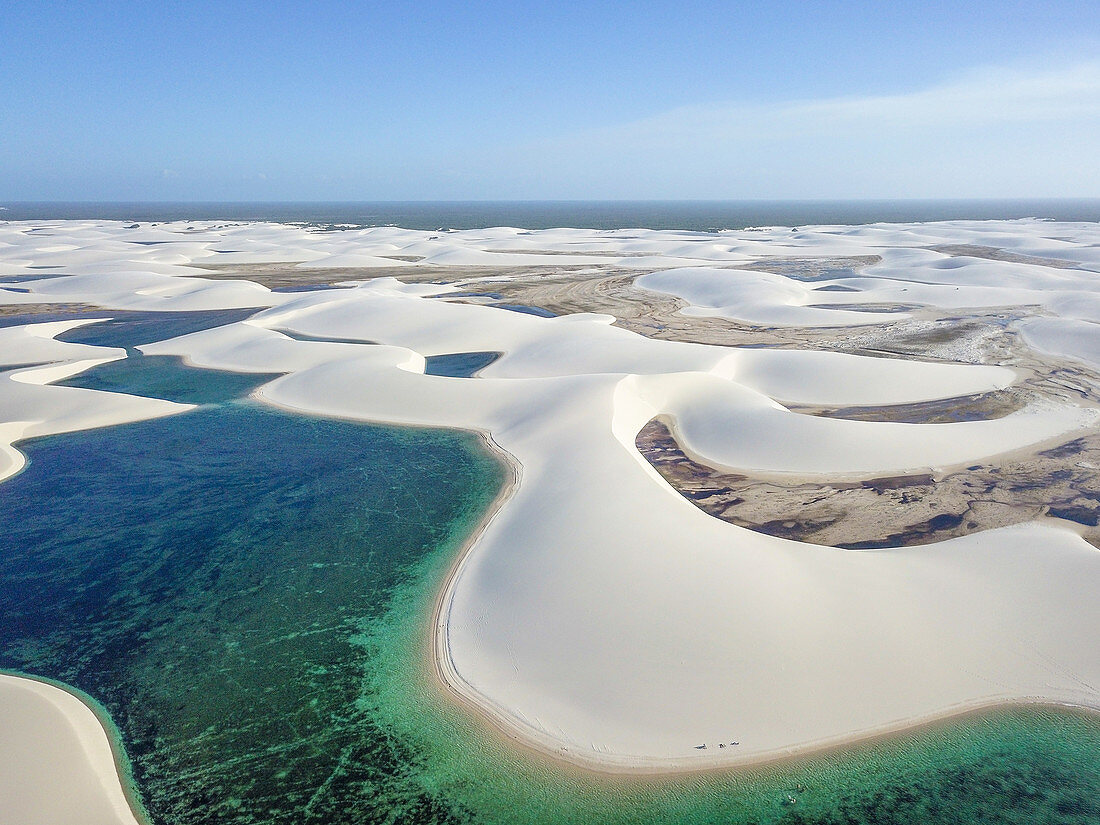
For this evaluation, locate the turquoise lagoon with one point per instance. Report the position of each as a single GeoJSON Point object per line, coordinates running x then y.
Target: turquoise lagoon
{"type": "Point", "coordinates": [247, 594]}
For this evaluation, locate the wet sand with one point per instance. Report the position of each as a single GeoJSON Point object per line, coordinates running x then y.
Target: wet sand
{"type": "Point", "coordinates": [896, 511]}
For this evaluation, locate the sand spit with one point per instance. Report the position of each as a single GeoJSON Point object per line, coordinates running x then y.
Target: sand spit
{"type": "Point", "coordinates": [58, 765]}
{"type": "Point", "coordinates": [600, 616]}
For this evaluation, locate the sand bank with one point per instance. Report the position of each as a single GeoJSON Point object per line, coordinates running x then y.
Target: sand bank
{"type": "Point", "coordinates": [58, 762]}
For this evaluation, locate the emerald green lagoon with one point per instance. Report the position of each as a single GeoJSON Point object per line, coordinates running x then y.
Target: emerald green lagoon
{"type": "Point", "coordinates": [247, 594]}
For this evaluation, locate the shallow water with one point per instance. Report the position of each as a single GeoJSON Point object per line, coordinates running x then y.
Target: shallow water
{"type": "Point", "coordinates": [302, 336]}
{"type": "Point", "coordinates": [132, 329]}
{"type": "Point", "coordinates": [458, 364]}
{"type": "Point", "coordinates": [167, 377]}
{"type": "Point", "coordinates": [247, 593]}
{"type": "Point", "coordinates": [527, 310]}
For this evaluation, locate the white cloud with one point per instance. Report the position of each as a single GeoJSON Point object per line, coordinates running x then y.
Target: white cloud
{"type": "Point", "coordinates": [996, 132]}
{"type": "Point", "coordinates": [986, 97]}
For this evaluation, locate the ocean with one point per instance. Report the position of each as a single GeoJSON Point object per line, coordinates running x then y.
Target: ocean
{"type": "Point", "coordinates": [701, 216]}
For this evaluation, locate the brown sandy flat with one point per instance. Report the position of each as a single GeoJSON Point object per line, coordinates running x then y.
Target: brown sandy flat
{"type": "Point", "coordinates": [893, 511]}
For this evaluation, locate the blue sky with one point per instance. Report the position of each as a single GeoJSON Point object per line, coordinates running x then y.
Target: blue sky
{"type": "Point", "coordinates": [448, 100]}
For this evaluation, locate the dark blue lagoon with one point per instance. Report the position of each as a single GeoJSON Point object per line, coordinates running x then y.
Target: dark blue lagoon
{"type": "Point", "coordinates": [458, 364]}
{"type": "Point", "coordinates": [212, 578]}
{"type": "Point", "coordinates": [132, 329]}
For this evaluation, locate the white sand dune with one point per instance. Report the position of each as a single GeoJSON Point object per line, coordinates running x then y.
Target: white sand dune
{"type": "Point", "coordinates": [631, 628]}
{"type": "Point", "coordinates": [600, 615]}
{"type": "Point", "coordinates": [757, 298]}
{"type": "Point", "coordinates": [135, 290]}
{"type": "Point", "coordinates": [35, 343]}
{"type": "Point", "coordinates": [773, 440]}
{"type": "Point", "coordinates": [834, 378]}
{"type": "Point", "coordinates": [1067, 337]}
{"type": "Point", "coordinates": [56, 764]}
